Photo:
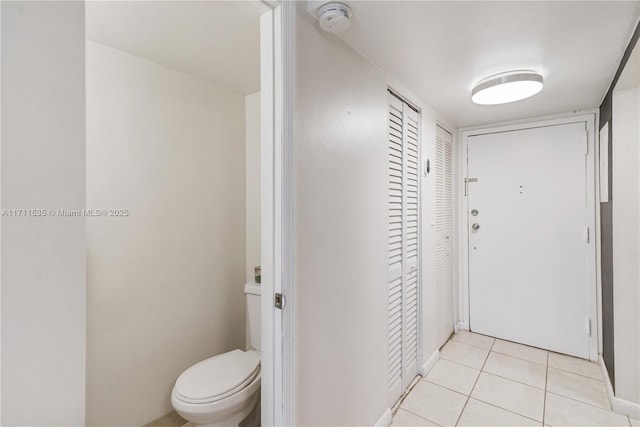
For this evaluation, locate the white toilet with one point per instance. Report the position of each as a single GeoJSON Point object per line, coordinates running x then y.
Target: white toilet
{"type": "Point", "coordinates": [224, 389]}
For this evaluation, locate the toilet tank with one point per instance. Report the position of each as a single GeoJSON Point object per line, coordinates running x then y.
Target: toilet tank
{"type": "Point", "coordinates": [253, 292]}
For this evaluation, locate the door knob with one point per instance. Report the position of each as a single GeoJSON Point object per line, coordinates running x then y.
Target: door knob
{"type": "Point", "coordinates": [475, 226]}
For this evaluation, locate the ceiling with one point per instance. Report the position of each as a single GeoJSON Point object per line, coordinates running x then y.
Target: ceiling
{"type": "Point", "coordinates": [441, 49]}
{"type": "Point", "coordinates": [213, 40]}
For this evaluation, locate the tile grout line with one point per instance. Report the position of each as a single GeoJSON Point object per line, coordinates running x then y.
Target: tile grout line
{"type": "Point", "coordinates": [503, 340]}
{"type": "Point", "coordinates": [528, 360]}
{"type": "Point", "coordinates": [504, 409]}
{"type": "Point", "coordinates": [546, 366]}
{"type": "Point", "coordinates": [489, 373]}
{"type": "Point", "coordinates": [419, 416]}
{"type": "Point", "coordinates": [472, 345]}
{"type": "Point", "coordinates": [512, 380]}
{"type": "Point", "coordinates": [583, 402]}
{"type": "Point", "coordinates": [545, 390]}
{"type": "Point", "coordinates": [508, 379]}
{"type": "Point", "coordinates": [506, 354]}
{"type": "Point", "coordinates": [446, 388]}
{"type": "Point", "coordinates": [442, 386]}
{"type": "Point", "coordinates": [607, 410]}
{"type": "Point", "coordinates": [574, 373]}
{"type": "Point", "coordinates": [457, 363]}
{"type": "Point", "coordinates": [475, 383]}
{"type": "Point", "coordinates": [462, 364]}
{"type": "Point", "coordinates": [520, 358]}
{"type": "Point", "coordinates": [396, 407]}
{"type": "Point", "coordinates": [510, 410]}
{"type": "Point", "coordinates": [546, 379]}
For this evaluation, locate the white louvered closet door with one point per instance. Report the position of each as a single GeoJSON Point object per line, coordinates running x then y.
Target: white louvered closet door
{"type": "Point", "coordinates": [444, 234]}
{"type": "Point", "coordinates": [404, 230]}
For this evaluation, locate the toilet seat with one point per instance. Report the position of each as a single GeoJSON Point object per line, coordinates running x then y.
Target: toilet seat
{"type": "Point", "coordinates": [218, 377]}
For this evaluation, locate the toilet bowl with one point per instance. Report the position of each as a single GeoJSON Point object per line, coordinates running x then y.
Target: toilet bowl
{"type": "Point", "coordinates": [224, 389]}
{"type": "Point", "coordinates": [220, 391]}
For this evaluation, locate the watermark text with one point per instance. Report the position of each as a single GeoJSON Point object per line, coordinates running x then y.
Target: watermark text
{"type": "Point", "coordinates": [40, 213]}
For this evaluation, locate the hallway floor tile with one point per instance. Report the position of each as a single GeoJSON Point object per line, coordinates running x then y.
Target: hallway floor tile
{"type": "Point", "coordinates": [583, 389]}
{"type": "Point", "coordinates": [515, 369]}
{"type": "Point", "coordinates": [464, 354]}
{"type": "Point", "coordinates": [482, 381]}
{"type": "Point", "coordinates": [520, 351]}
{"type": "Point", "coordinates": [406, 418]}
{"type": "Point", "coordinates": [575, 366]}
{"type": "Point", "coordinates": [453, 376]}
{"type": "Point", "coordinates": [434, 403]}
{"type": "Point", "coordinates": [510, 395]}
{"type": "Point", "coordinates": [470, 338]}
{"type": "Point", "coordinates": [478, 413]}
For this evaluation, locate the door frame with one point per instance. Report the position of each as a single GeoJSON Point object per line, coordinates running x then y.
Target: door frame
{"type": "Point", "coordinates": [463, 244]}
{"type": "Point", "coordinates": [277, 67]}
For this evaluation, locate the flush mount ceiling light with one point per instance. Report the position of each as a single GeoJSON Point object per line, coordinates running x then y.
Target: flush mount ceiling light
{"type": "Point", "coordinates": [507, 87]}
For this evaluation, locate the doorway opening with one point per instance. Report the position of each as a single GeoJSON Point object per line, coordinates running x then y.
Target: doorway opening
{"type": "Point", "coordinates": [184, 120]}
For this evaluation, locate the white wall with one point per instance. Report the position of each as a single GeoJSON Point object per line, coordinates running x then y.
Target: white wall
{"type": "Point", "coordinates": [341, 224]}
{"type": "Point", "coordinates": [626, 242]}
{"type": "Point", "coordinates": [165, 284]}
{"type": "Point", "coordinates": [252, 203]}
{"type": "Point", "coordinates": [43, 259]}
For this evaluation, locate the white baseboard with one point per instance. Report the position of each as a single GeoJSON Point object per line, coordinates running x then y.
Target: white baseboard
{"type": "Point", "coordinates": [429, 364]}
{"type": "Point", "coordinates": [385, 420]}
{"type": "Point", "coordinates": [458, 327]}
{"type": "Point", "coordinates": [618, 405]}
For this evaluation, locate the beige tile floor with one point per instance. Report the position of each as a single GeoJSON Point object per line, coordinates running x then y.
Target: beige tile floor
{"type": "Point", "coordinates": [482, 381]}
{"type": "Point", "coordinates": [172, 419]}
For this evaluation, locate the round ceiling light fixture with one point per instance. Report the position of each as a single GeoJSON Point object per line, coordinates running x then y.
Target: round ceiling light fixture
{"type": "Point", "coordinates": [507, 87]}
{"type": "Point", "coordinates": [334, 17]}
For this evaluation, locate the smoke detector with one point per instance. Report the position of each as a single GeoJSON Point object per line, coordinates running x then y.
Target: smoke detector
{"type": "Point", "coordinates": [334, 17]}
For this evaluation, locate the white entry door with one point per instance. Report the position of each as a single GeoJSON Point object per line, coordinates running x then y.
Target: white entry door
{"type": "Point", "coordinates": [528, 237]}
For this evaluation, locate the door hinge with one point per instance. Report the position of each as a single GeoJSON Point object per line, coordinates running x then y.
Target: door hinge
{"type": "Point", "coordinates": [587, 234]}
{"type": "Point", "coordinates": [589, 327]}
{"type": "Point", "coordinates": [278, 300]}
